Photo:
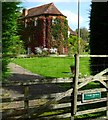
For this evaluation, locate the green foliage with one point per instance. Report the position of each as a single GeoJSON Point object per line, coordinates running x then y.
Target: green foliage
{"type": "Point", "coordinates": [16, 46]}
{"type": "Point", "coordinates": [56, 28]}
{"type": "Point", "coordinates": [59, 32]}
{"type": "Point", "coordinates": [10, 38]}
{"type": "Point", "coordinates": [65, 32]}
{"type": "Point", "coordinates": [73, 45]}
{"type": "Point", "coordinates": [84, 34]}
{"type": "Point", "coordinates": [60, 26]}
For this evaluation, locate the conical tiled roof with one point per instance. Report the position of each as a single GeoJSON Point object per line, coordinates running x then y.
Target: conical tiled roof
{"type": "Point", "coordinates": [48, 9]}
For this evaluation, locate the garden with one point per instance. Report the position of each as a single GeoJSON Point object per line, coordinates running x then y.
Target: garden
{"type": "Point", "coordinates": [53, 67]}
{"type": "Point", "coordinates": [59, 67]}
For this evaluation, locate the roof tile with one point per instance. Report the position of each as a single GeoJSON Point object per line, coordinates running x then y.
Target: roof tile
{"type": "Point", "coordinates": [44, 9]}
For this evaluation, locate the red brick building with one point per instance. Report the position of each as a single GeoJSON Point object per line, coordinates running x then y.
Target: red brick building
{"type": "Point", "coordinates": [37, 24]}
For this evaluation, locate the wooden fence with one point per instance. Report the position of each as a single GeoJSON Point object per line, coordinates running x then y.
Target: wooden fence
{"type": "Point", "coordinates": [88, 98]}
{"type": "Point", "coordinates": [67, 104]}
{"type": "Point", "coordinates": [49, 102]}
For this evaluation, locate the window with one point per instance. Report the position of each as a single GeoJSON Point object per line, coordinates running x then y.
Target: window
{"type": "Point", "coordinates": [25, 23]}
{"type": "Point", "coordinates": [29, 38]}
{"type": "Point", "coordinates": [53, 21]}
{"type": "Point", "coordinates": [29, 50]}
{"type": "Point", "coordinates": [35, 22]}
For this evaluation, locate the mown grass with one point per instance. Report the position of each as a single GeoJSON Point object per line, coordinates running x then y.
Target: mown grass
{"type": "Point", "coordinates": [55, 67]}
{"type": "Point", "coordinates": [52, 66]}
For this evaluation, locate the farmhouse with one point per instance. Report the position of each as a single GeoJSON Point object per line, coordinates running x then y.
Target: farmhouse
{"type": "Point", "coordinates": [45, 27]}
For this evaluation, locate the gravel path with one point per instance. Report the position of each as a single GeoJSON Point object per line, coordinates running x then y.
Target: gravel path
{"type": "Point", "coordinates": [21, 74]}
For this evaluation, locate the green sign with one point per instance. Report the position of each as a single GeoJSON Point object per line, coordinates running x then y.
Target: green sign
{"type": "Point", "coordinates": [91, 96]}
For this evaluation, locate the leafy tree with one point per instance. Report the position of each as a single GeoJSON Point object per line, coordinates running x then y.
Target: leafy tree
{"type": "Point", "coordinates": [10, 40]}
{"type": "Point", "coordinates": [73, 45]}
{"type": "Point", "coordinates": [99, 35]}
{"type": "Point", "coordinates": [84, 34]}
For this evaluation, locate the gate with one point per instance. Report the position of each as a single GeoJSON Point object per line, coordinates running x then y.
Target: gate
{"type": "Point", "coordinates": [86, 101]}
{"type": "Point", "coordinates": [78, 101]}
{"type": "Point", "coordinates": [51, 102]}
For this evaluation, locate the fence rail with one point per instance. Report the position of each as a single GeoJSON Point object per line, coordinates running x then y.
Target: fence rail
{"type": "Point", "coordinates": [54, 105]}
{"type": "Point", "coordinates": [55, 80]}
{"type": "Point", "coordinates": [91, 101]}
{"type": "Point", "coordinates": [93, 56]}
{"type": "Point", "coordinates": [49, 100]}
{"type": "Point", "coordinates": [67, 104]}
{"type": "Point", "coordinates": [39, 81]}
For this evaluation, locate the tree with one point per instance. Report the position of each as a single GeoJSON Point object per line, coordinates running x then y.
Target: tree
{"type": "Point", "coordinates": [84, 34]}
{"type": "Point", "coordinates": [10, 38]}
{"type": "Point", "coordinates": [73, 45]}
{"type": "Point", "coordinates": [99, 35]}
{"type": "Point", "coordinates": [85, 37]}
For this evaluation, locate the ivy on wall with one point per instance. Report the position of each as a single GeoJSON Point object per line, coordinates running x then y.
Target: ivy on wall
{"type": "Point", "coordinates": [59, 32]}
{"type": "Point", "coordinates": [49, 32]}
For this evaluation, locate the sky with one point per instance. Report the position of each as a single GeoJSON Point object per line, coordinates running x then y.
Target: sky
{"type": "Point", "coordinates": [68, 8]}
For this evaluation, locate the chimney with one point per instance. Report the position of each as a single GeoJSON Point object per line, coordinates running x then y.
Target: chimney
{"type": "Point", "coordinates": [25, 12]}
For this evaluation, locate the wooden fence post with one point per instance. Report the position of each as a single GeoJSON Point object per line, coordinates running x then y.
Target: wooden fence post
{"type": "Point", "coordinates": [75, 87]}
{"type": "Point", "coordinates": [107, 101]}
{"type": "Point", "coordinates": [26, 94]}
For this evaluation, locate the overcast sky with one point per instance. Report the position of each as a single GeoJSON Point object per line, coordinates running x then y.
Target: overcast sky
{"type": "Point", "coordinates": [69, 8]}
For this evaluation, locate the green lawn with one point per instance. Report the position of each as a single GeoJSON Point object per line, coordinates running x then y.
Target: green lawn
{"type": "Point", "coordinates": [59, 67]}
{"type": "Point", "coordinates": [52, 66]}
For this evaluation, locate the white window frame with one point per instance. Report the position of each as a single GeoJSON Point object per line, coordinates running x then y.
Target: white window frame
{"type": "Point", "coordinates": [29, 38]}
{"type": "Point", "coordinates": [35, 22]}
{"type": "Point", "coordinates": [25, 23]}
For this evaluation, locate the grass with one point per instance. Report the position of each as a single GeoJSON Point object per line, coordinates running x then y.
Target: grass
{"type": "Point", "coordinates": [52, 66]}
{"type": "Point", "coordinates": [58, 67]}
